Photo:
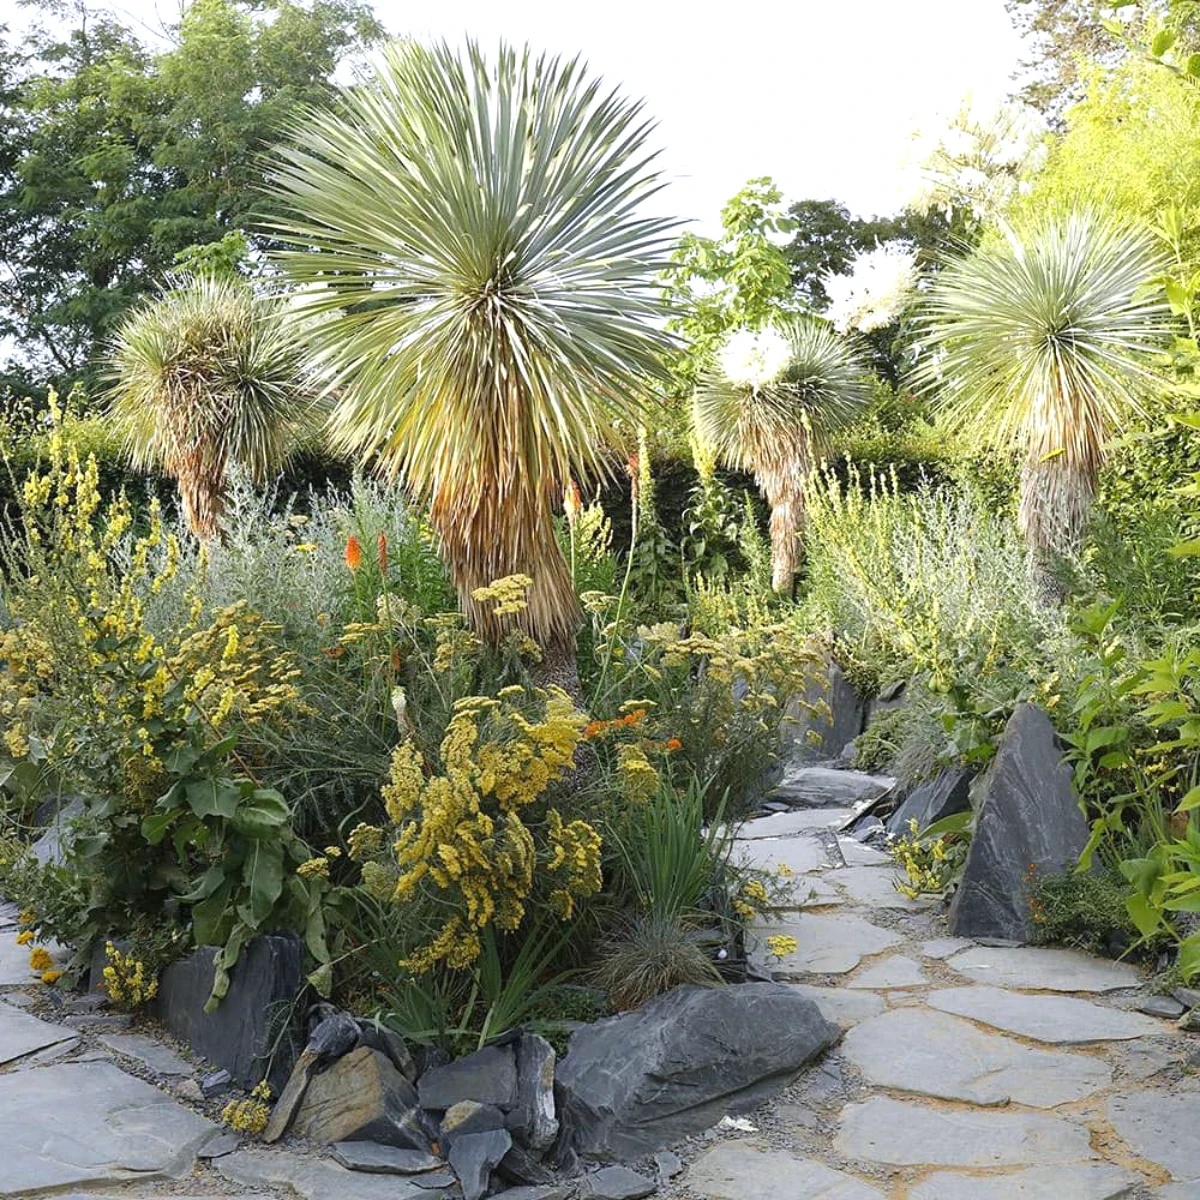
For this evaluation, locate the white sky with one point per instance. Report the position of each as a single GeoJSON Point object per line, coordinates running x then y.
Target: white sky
{"type": "Point", "coordinates": [819, 94]}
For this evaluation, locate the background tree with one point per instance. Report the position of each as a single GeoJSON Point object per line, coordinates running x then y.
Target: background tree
{"type": "Point", "coordinates": [116, 157]}
{"type": "Point", "coordinates": [770, 407]}
{"type": "Point", "coordinates": [1038, 339]}
{"type": "Point", "coordinates": [466, 235]}
{"type": "Point", "coordinates": [204, 377]}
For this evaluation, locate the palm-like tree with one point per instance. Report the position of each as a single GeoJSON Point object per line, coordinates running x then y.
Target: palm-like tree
{"type": "Point", "coordinates": [1040, 341]}
{"type": "Point", "coordinates": [205, 376]}
{"type": "Point", "coordinates": [467, 238]}
{"type": "Point", "coordinates": [769, 408]}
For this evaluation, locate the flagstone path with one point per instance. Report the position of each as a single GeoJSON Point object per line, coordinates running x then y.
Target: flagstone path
{"type": "Point", "coordinates": [966, 1072]}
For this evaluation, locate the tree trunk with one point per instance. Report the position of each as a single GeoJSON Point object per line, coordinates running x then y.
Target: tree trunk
{"type": "Point", "coordinates": [559, 668]}
{"type": "Point", "coordinates": [1056, 503]}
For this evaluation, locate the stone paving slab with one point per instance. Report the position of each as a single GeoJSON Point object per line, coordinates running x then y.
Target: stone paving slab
{"type": "Point", "coordinates": [319, 1178]}
{"type": "Point", "coordinates": [14, 961]}
{"type": "Point", "coordinates": [826, 943]}
{"type": "Point", "coordinates": [1059, 1020]}
{"type": "Point", "coordinates": [1039, 968]}
{"type": "Point", "coordinates": [841, 1005]}
{"type": "Point", "coordinates": [1161, 1127]}
{"type": "Point", "coordinates": [941, 948]}
{"type": "Point", "coordinates": [151, 1054]}
{"type": "Point", "coordinates": [788, 824]}
{"type": "Point", "coordinates": [798, 854]}
{"type": "Point", "coordinates": [931, 1054]}
{"type": "Point", "coordinates": [748, 1170]}
{"type": "Point", "coordinates": [90, 1123]}
{"type": "Point", "coordinates": [888, 974]}
{"type": "Point", "coordinates": [874, 887]}
{"type": "Point", "coordinates": [1086, 1181]}
{"type": "Point", "coordinates": [856, 854]}
{"type": "Point", "coordinates": [22, 1034]}
{"type": "Point", "coordinates": [909, 1134]}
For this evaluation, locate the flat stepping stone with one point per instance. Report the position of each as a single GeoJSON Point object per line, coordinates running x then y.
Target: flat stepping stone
{"type": "Point", "coordinates": [827, 787]}
{"type": "Point", "coordinates": [14, 960]}
{"type": "Point", "coordinates": [22, 1034]}
{"type": "Point", "coordinates": [931, 1054]}
{"type": "Point", "coordinates": [1043, 969]}
{"type": "Point", "coordinates": [910, 1134]}
{"type": "Point", "coordinates": [858, 854]}
{"type": "Point", "coordinates": [888, 974]}
{"type": "Point", "coordinates": [841, 1005]}
{"type": "Point", "coordinates": [799, 854]}
{"type": "Point", "coordinates": [1161, 1128]}
{"type": "Point", "coordinates": [826, 944]}
{"type": "Point", "coordinates": [378, 1159]}
{"type": "Point", "coordinates": [1084, 1181]}
{"type": "Point", "coordinates": [320, 1178]}
{"type": "Point", "coordinates": [90, 1123]}
{"type": "Point", "coordinates": [787, 824]}
{"type": "Point", "coordinates": [747, 1170]}
{"type": "Point", "coordinates": [875, 887]}
{"type": "Point", "coordinates": [941, 948]}
{"type": "Point", "coordinates": [156, 1057]}
{"type": "Point", "coordinates": [1059, 1020]}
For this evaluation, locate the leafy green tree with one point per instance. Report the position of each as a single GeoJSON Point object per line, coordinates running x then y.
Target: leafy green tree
{"type": "Point", "coordinates": [117, 157]}
{"type": "Point", "coordinates": [740, 279]}
{"type": "Point", "coordinates": [770, 408]}
{"type": "Point", "coordinates": [1039, 339]}
{"type": "Point", "coordinates": [204, 377]}
{"type": "Point", "coordinates": [466, 237]}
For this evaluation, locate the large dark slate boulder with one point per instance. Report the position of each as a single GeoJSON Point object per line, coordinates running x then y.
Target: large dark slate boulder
{"type": "Point", "coordinates": [823, 718]}
{"type": "Point", "coordinates": [633, 1084]}
{"type": "Point", "coordinates": [251, 1021]}
{"type": "Point", "coordinates": [947, 793]}
{"type": "Point", "coordinates": [1029, 817]}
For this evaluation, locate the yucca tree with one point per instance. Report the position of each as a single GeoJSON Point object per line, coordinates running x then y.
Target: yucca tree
{"type": "Point", "coordinates": [205, 376]}
{"type": "Point", "coordinates": [769, 406]}
{"type": "Point", "coordinates": [466, 236]}
{"type": "Point", "coordinates": [1040, 340]}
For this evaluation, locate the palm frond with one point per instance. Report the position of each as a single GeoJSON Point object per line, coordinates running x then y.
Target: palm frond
{"type": "Point", "coordinates": [467, 239]}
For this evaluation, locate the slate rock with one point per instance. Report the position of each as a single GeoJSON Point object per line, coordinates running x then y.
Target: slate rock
{"type": "Point", "coordinates": [533, 1121]}
{"type": "Point", "coordinates": [560, 1191]}
{"type": "Point", "coordinates": [216, 1083]}
{"type": "Point", "coordinates": [617, 1183]}
{"type": "Point", "coordinates": [842, 1006]}
{"type": "Point", "coordinates": [1044, 969]}
{"type": "Point", "coordinates": [21, 1033]}
{"type": "Point", "coordinates": [518, 1166]}
{"type": "Point", "coordinates": [824, 717]}
{"type": "Point", "coordinates": [334, 1037]}
{"type": "Point", "coordinates": [241, 1032]}
{"type": "Point", "coordinates": [318, 1178]}
{"type": "Point", "coordinates": [378, 1159]}
{"type": "Point", "coordinates": [826, 944]}
{"type": "Point", "coordinates": [804, 786]}
{"type": "Point", "coordinates": [467, 1116]}
{"type": "Point", "coordinates": [1161, 1006]}
{"type": "Point", "coordinates": [474, 1156]}
{"type": "Point", "coordinates": [489, 1076]}
{"type": "Point", "coordinates": [1188, 997]}
{"type": "Point", "coordinates": [633, 1084]}
{"type": "Point", "coordinates": [1028, 817]}
{"type": "Point", "coordinates": [1161, 1128]}
{"type": "Point", "coordinates": [361, 1097]}
{"type": "Point", "coordinates": [667, 1164]}
{"type": "Point", "coordinates": [156, 1057]}
{"type": "Point", "coordinates": [947, 793]}
{"type": "Point", "coordinates": [392, 1044]}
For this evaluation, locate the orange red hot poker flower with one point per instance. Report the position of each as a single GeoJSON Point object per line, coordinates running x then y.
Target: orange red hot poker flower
{"type": "Point", "coordinates": [354, 555]}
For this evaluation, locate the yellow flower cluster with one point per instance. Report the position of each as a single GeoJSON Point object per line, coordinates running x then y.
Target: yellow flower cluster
{"type": "Point", "coordinates": [781, 945]}
{"type": "Point", "coordinates": [314, 868]}
{"type": "Point", "coordinates": [751, 900]}
{"type": "Point", "coordinates": [454, 641]}
{"type": "Point", "coordinates": [81, 658]}
{"type": "Point", "coordinates": [364, 841]}
{"type": "Point", "coordinates": [462, 831]}
{"type": "Point", "coordinates": [125, 979]}
{"type": "Point", "coordinates": [930, 864]}
{"type": "Point", "coordinates": [638, 777]}
{"type": "Point", "coordinates": [250, 1115]}
{"type": "Point", "coordinates": [507, 595]}
{"type": "Point", "coordinates": [40, 960]}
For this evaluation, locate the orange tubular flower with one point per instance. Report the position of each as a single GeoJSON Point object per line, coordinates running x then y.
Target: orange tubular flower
{"type": "Point", "coordinates": [572, 501]}
{"type": "Point", "coordinates": [353, 553]}
{"type": "Point", "coordinates": [383, 555]}
{"type": "Point", "coordinates": [674, 744]}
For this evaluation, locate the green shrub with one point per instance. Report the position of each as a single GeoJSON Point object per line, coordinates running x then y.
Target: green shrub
{"type": "Point", "coordinates": [1087, 911]}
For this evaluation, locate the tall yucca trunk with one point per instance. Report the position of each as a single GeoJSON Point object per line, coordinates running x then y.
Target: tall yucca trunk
{"type": "Point", "coordinates": [781, 472]}
{"type": "Point", "coordinates": [507, 528]}
{"type": "Point", "coordinates": [201, 492]}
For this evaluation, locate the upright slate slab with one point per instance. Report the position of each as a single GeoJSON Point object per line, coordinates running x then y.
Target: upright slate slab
{"type": "Point", "coordinates": [243, 1030]}
{"type": "Point", "coordinates": [947, 793]}
{"type": "Point", "coordinates": [1028, 818]}
{"type": "Point", "coordinates": [632, 1084]}
{"type": "Point", "coordinates": [828, 714]}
